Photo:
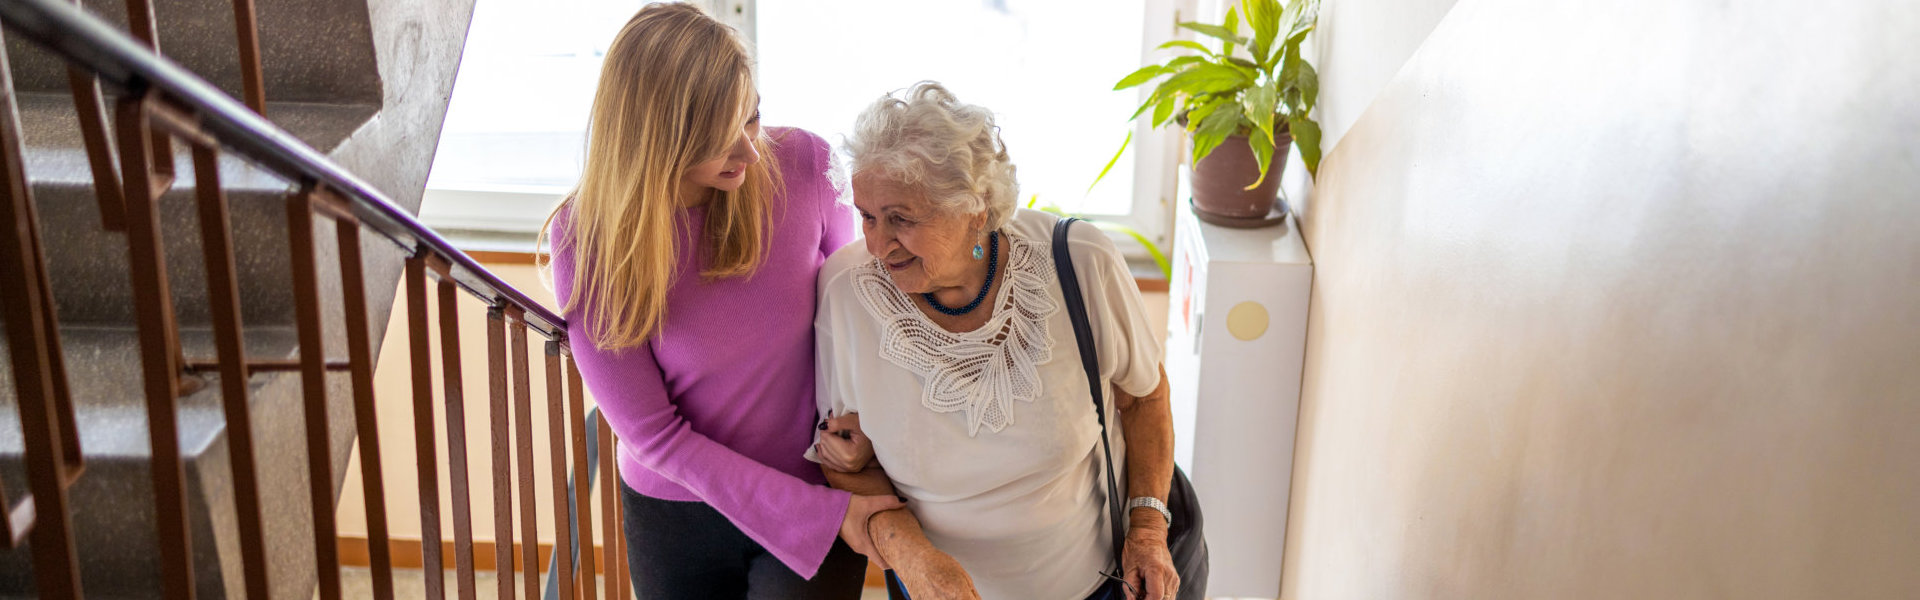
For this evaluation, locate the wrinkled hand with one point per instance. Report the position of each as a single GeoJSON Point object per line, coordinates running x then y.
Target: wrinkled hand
{"type": "Point", "coordinates": [853, 526]}
{"type": "Point", "coordinates": [929, 574]}
{"type": "Point", "coordinates": [1146, 564]}
{"type": "Point", "coordinates": [843, 447]}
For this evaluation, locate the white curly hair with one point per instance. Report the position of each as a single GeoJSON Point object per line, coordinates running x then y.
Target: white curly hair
{"type": "Point", "coordinates": [948, 149]}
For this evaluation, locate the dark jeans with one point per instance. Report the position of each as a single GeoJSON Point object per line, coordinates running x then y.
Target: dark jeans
{"type": "Point", "coordinates": [898, 591]}
{"type": "Point", "coordinates": [689, 550]}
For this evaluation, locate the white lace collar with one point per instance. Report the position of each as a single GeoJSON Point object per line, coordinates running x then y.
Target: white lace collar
{"type": "Point", "coordinates": [979, 372]}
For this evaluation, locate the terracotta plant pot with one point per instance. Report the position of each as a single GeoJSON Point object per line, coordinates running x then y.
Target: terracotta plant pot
{"type": "Point", "coordinates": [1220, 179]}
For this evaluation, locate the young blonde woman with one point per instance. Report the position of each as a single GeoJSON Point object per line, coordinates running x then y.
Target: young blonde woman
{"type": "Point", "coordinates": [685, 260]}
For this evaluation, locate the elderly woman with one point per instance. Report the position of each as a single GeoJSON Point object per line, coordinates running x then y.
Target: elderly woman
{"type": "Point", "coordinates": [945, 337]}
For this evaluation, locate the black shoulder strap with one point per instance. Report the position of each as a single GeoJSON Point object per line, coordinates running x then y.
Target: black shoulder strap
{"type": "Point", "coordinates": [1090, 360]}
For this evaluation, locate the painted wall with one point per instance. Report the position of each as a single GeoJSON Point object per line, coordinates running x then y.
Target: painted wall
{"type": "Point", "coordinates": [1621, 300]}
{"type": "Point", "coordinates": [1357, 48]}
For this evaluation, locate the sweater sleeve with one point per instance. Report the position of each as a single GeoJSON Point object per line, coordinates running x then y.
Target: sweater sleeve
{"type": "Point", "coordinates": [836, 207]}
{"type": "Point", "coordinates": [794, 520]}
{"type": "Point", "coordinates": [836, 226]}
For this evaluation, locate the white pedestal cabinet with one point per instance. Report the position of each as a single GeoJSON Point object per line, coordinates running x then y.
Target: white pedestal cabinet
{"type": "Point", "coordinates": [1236, 345]}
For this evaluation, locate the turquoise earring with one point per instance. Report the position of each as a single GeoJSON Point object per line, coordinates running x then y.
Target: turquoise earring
{"type": "Point", "coordinates": [978, 252]}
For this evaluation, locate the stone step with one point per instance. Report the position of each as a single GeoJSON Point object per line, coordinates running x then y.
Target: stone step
{"type": "Point", "coordinates": [112, 504]}
{"type": "Point", "coordinates": [310, 50]}
{"type": "Point", "coordinates": [325, 87]}
{"type": "Point", "coordinates": [93, 286]}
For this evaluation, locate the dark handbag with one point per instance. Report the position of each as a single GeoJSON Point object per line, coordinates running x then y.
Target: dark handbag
{"type": "Point", "coordinates": [1185, 539]}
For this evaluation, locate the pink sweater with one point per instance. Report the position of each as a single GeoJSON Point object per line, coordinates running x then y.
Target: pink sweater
{"type": "Point", "coordinates": [718, 407]}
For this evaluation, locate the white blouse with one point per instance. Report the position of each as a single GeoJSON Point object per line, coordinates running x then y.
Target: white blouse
{"type": "Point", "coordinates": [990, 434]}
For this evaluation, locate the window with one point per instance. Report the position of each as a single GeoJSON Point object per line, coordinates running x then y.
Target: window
{"type": "Point", "coordinates": [515, 128]}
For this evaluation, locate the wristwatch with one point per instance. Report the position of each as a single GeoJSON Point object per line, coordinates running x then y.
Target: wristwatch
{"type": "Point", "coordinates": [1153, 503]}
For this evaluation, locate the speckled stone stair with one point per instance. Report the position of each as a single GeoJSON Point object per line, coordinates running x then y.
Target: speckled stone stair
{"type": "Point", "coordinates": [365, 82]}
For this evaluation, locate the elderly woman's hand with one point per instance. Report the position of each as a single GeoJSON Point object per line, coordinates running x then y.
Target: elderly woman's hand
{"type": "Point", "coordinates": [853, 525]}
{"type": "Point", "coordinates": [929, 574]}
{"type": "Point", "coordinates": [1147, 565]}
{"type": "Point", "coordinates": [844, 447]}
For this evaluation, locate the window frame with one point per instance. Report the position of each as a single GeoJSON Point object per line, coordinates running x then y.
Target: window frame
{"type": "Point", "coordinates": [487, 214]}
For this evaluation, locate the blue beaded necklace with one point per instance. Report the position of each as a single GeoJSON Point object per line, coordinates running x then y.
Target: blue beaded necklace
{"type": "Point", "coordinates": [993, 266]}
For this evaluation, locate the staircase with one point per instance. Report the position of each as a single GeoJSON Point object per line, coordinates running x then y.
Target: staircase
{"type": "Point", "coordinates": [355, 92]}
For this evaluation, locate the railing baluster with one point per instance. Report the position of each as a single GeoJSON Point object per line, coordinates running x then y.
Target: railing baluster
{"type": "Point", "coordinates": [502, 456]}
{"type": "Point", "coordinates": [456, 432]}
{"type": "Point", "coordinates": [523, 428]}
{"type": "Point", "coordinates": [360, 363]}
{"type": "Point", "coordinates": [223, 293]}
{"type": "Point", "coordinates": [33, 336]}
{"type": "Point", "coordinates": [247, 34]}
{"type": "Point", "coordinates": [431, 566]}
{"type": "Point", "coordinates": [313, 383]}
{"type": "Point", "coordinates": [620, 575]}
{"type": "Point", "coordinates": [159, 348]}
{"type": "Point", "coordinates": [582, 498]}
{"type": "Point", "coordinates": [557, 438]}
{"type": "Point", "coordinates": [609, 504]}
{"type": "Point", "coordinates": [90, 105]}
{"type": "Point", "coordinates": [141, 23]}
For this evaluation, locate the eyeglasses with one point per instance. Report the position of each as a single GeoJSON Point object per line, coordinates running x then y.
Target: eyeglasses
{"type": "Point", "coordinates": [1131, 593]}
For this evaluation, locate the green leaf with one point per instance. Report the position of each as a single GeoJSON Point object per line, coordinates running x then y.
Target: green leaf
{"type": "Point", "coordinates": [1308, 82]}
{"type": "Point", "coordinates": [1188, 44]}
{"type": "Point", "coordinates": [1150, 103]}
{"type": "Point", "coordinates": [1109, 167]}
{"type": "Point", "coordinates": [1145, 74]}
{"type": "Point", "coordinates": [1208, 78]}
{"type": "Point", "coordinates": [1264, 16]}
{"type": "Point", "coordinates": [1300, 18]}
{"type": "Point", "coordinates": [1297, 21]}
{"type": "Point", "coordinates": [1306, 135]}
{"type": "Point", "coordinates": [1162, 113]}
{"type": "Point", "coordinates": [1262, 154]}
{"type": "Point", "coordinates": [1214, 129]}
{"type": "Point", "coordinates": [1177, 62]}
{"type": "Point", "coordinates": [1165, 92]}
{"type": "Point", "coordinates": [1154, 102]}
{"type": "Point", "coordinates": [1259, 102]}
{"type": "Point", "coordinates": [1232, 23]}
{"type": "Point", "coordinates": [1199, 113]}
{"type": "Point", "coordinates": [1216, 31]}
{"type": "Point", "coordinates": [1153, 250]}
{"type": "Point", "coordinates": [1249, 68]}
{"type": "Point", "coordinates": [1300, 84]}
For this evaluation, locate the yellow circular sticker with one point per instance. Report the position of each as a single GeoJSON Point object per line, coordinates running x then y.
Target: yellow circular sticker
{"type": "Point", "coordinates": [1247, 321]}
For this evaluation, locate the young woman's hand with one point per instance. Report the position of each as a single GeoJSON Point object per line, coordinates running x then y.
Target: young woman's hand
{"type": "Point", "coordinates": [853, 526]}
{"type": "Point", "coordinates": [929, 574]}
{"type": "Point", "coordinates": [842, 446]}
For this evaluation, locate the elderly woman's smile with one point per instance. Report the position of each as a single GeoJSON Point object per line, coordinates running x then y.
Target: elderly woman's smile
{"type": "Point", "coordinates": [925, 249]}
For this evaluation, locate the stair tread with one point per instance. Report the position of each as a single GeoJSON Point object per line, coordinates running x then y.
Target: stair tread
{"type": "Point", "coordinates": [56, 154]}
{"type": "Point", "coordinates": [310, 50]}
{"type": "Point", "coordinates": [103, 370]}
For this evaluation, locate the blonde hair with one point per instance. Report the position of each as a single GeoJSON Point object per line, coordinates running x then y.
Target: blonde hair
{"type": "Point", "coordinates": [676, 90]}
{"type": "Point", "coordinates": [948, 149]}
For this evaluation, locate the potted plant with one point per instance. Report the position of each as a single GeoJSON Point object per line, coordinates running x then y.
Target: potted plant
{"type": "Point", "coordinates": [1241, 109]}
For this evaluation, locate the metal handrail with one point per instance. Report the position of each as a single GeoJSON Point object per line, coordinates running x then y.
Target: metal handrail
{"type": "Point", "coordinates": [121, 62]}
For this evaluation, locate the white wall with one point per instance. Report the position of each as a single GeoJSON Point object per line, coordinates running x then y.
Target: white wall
{"type": "Point", "coordinates": [1358, 46]}
{"type": "Point", "coordinates": [1621, 300]}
